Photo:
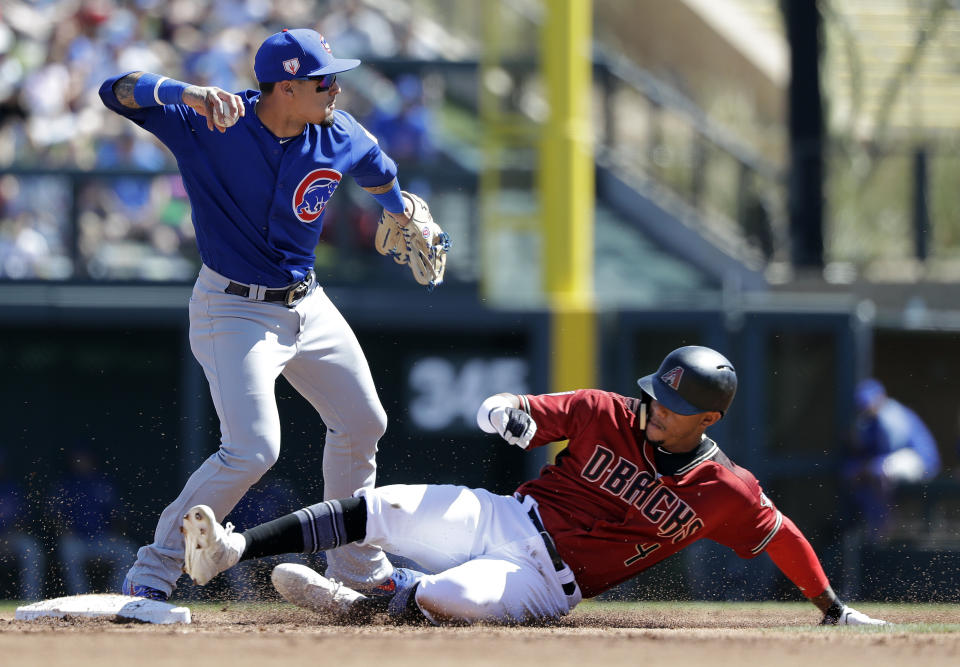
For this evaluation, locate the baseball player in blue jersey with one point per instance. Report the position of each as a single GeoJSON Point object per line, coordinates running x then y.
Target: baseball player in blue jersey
{"type": "Point", "coordinates": [260, 168]}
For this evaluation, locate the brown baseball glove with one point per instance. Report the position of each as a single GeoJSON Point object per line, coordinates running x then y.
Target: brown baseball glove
{"type": "Point", "coordinates": [420, 244]}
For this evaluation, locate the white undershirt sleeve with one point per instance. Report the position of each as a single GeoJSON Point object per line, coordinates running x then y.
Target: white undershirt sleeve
{"type": "Point", "coordinates": [486, 410]}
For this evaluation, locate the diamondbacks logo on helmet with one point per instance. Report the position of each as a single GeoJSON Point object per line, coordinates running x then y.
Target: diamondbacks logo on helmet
{"type": "Point", "coordinates": [313, 193]}
{"type": "Point", "coordinates": [292, 66]}
{"type": "Point", "coordinates": [672, 377]}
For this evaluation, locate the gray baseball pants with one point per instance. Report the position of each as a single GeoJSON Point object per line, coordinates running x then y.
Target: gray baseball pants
{"type": "Point", "coordinates": [243, 345]}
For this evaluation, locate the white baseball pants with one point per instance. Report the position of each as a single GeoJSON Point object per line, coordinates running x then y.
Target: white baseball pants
{"type": "Point", "coordinates": [490, 563]}
{"type": "Point", "coordinates": [243, 345]}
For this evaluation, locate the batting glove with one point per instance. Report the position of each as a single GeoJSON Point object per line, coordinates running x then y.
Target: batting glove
{"type": "Point", "coordinates": [515, 426]}
{"type": "Point", "coordinates": [841, 614]}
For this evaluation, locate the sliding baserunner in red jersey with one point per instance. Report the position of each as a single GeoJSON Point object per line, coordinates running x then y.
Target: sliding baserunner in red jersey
{"type": "Point", "coordinates": [638, 481]}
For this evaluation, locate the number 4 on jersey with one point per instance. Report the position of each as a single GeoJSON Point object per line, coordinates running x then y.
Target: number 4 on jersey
{"type": "Point", "coordinates": [643, 550]}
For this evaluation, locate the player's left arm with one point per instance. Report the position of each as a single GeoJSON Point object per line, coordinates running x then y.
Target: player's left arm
{"type": "Point", "coordinates": [793, 554]}
{"type": "Point", "coordinates": [410, 235]}
{"type": "Point", "coordinates": [407, 231]}
{"type": "Point", "coordinates": [749, 523]}
{"type": "Point", "coordinates": [397, 213]}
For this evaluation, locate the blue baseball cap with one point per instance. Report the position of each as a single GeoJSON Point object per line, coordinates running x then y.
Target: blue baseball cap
{"type": "Point", "coordinates": [867, 393]}
{"type": "Point", "coordinates": [296, 54]}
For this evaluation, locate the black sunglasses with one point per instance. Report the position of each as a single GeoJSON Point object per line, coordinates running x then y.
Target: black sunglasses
{"type": "Point", "coordinates": [324, 83]}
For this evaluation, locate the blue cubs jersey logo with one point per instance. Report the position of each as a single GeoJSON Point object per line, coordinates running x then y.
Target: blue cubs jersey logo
{"type": "Point", "coordinates": [313, 193]}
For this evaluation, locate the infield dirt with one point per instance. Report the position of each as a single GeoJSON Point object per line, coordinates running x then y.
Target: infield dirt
{"type": "Point", "coordinates": [280, 636]}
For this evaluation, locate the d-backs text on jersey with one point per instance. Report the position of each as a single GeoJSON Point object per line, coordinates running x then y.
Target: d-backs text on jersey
{"type": "Point", "coordinates": [675, 519]}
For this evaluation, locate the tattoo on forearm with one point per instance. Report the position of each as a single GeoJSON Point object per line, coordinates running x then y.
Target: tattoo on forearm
{"type": "Point", "coordinates": [123, 89]}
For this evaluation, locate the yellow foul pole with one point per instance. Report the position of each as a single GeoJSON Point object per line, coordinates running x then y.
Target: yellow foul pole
{"type": "Point", "coordinates": [566, 185]}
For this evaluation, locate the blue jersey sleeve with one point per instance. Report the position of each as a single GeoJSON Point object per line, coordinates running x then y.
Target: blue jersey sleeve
{"type": "Point", "coordinates": [172, 123]}
{"type": "Point", "coordinates": [371, 166]}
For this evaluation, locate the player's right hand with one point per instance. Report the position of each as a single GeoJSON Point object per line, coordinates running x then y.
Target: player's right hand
{"type": "Point", "coordinates": [515, 426]}
{"type": "Point", "coordinates": [220, 108]}
{"type": "Point", "coordinates": [850, 616]}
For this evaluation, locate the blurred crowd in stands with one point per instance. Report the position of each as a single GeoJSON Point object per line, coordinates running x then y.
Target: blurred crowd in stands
{"type": "Point", "coordinates": [71, 535]}
{"type": "Point", "coordinates": [54, 54]}
{"type": "Point", "coordinates": [891, 447]}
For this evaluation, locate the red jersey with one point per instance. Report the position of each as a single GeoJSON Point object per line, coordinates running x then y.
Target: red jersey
{"type": "Point", "coordinates": [615, 504]}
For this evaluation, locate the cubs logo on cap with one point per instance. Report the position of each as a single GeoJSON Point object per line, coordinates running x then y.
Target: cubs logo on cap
{"type": "Point", "coordinates": [314, 191]}
{"type": "Point", "coordinates": [672, 378]}
{"type": "Point", "coordinates": [297, 53]}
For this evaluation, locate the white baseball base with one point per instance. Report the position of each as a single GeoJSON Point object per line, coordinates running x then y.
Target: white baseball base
{"type": "Point", "coordinates": [105, 605]}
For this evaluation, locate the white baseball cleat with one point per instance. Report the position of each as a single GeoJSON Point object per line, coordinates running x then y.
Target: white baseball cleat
{"type": "Point", "coordinates": [209, 548]}
{"type": "Point", "coordinates": [300, 585]}
{"type": "Point", "coordinates": [851, 616]}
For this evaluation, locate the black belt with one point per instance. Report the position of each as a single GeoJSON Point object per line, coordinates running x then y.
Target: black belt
{"type": "Point", "coordinates": [288, 296]}
{"type": "Point", "coordinates": [570, 587]}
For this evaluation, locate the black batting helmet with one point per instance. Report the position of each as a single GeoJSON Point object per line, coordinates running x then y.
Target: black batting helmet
{"type": "Point", "coordinates": [691, 380]}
